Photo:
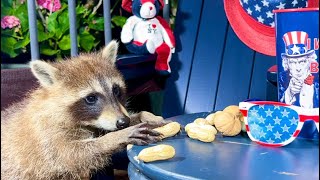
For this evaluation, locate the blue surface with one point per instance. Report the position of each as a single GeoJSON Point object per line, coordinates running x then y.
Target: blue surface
{"type": "Point", "coordinates": [212, 67]}
{"type": "Point", "coordinates": [133, 173]}
{"type": "Point", "coordinates": [228, 158]}
{"type": "Point", "coordinates": [236, 73]}
{"type": "Point", "coordinates": [208, 58]}
{"type": "Point", "coordinates": [185, 31]}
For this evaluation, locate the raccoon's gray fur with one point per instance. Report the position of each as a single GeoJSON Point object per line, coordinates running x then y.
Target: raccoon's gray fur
{"type": "Point", "coordinates": [54, 132]}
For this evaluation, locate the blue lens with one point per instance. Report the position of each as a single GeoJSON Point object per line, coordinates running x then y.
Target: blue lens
{"type": "Point", "coordinates": [272, 124]}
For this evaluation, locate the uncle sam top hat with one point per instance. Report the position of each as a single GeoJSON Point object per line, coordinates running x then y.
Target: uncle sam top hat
{"type": "Point", "coordinates": [253, 20]}
{"type": "Point", "coordinates": [296, 44]}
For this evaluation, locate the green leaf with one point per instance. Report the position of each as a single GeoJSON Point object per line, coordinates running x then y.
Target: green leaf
{"type": "Point", "coordinates": [7, 32]}
{"type": "Point", "coordinates": [42, 35]}
{"type": "Point", "coordinates": [40, 26]}
{"type": "Point", "coordinates": [6, 10]}
{"type": "Point", "coordinates": [47, 50]}
{"type": "Point", "coordinates": [78, 41]}
{"type": "Point", "coordinates": [23, 43]}
{"type": "Point", "coordinates": [6, 3]}
{"type": "Point", "coordinates": [96, 43]}
{"type": "Point", "coordinates": [7, 44]}
{"type": "Point", "coordinates": [53, 23]}
{"type": "Point", "coordinates": [65, 43]}
{"type": "Point", "coordinates": [63, 20]}
{"type": "Point", "coordinates": [80, 10]}
{"type": "Point", "coordinates": [86, 41]}
{"type": "Point", "coordinates": [22, 14]}
{"type": "Point", "coordinates": [97, 24]}
{"type": "Point", "coordinates": [119, 20]}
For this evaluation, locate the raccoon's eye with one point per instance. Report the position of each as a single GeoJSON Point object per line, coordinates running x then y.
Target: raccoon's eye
{"type": "Point", "coordinates": [91, 99]}
{"type": "Point", "coordinates": [116, 91]}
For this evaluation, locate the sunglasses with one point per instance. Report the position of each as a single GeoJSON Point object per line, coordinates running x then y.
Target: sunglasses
{"type": "Point", "coordinates": [273, 123]}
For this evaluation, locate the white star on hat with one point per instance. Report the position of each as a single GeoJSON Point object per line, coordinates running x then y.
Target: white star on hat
{"type": "Point", "coordinates": [269, 14]}
{"type": "Point", "coordinates": [294, 3]}
{"type": "Point", "coordinates": [265, 3]}
{"type": "Point", "coordinates": [295, 49]}
{"type": "Point", "coordinates": [281, 6]}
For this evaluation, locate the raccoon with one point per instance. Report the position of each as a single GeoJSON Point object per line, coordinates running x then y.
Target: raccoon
{"type": "Point", "coordinates": [72, 124]}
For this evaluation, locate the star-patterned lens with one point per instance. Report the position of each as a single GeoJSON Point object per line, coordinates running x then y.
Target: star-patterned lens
{"type": "Point", "coordinates": [272, 124]}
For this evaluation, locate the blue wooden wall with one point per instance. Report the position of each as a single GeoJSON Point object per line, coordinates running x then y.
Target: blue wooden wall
{"type": "Point", "coordinates": [211, 68]}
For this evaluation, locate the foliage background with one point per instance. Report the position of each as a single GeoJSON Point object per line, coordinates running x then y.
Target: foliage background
{"type": "Point", "coordinates": [53, 29]}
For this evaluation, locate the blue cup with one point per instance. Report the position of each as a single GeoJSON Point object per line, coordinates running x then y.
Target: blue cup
{"type": "Point", "coordinates": [297, 51]}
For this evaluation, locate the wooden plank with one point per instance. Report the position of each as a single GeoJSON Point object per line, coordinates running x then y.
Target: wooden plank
{"type": "Point", "coordinates": [258, 88]}
{"type": "Point", "coordinates": [234, 82]}
{"type": "Point", "coordinates": [207, 59]}
{"type": "Point", "coordinates": [186, 31]}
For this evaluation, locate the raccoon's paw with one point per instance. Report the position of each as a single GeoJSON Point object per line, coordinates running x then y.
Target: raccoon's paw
{"type": "Point", "coordinates": [142, 134]}
{"type": "Point", "coordinates": [152, 120]}
{"type": "Point", "coordinates": [146, 116]}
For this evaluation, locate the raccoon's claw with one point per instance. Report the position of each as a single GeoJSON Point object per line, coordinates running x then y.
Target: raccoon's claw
{"type": "Point", "coordinates": [142, 134]}
{"type": "Point", "coordinates": [155, 124]}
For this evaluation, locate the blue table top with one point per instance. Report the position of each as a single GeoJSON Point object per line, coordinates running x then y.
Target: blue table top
{"type": "Point", "coordinates": [230, 158]}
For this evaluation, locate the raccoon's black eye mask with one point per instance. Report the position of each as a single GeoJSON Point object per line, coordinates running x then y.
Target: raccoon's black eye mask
{"type": "Point", "coordinates": [116, 90]}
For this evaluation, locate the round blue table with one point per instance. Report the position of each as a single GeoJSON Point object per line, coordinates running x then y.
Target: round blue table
{"type": "Point", "coordinates": [227, 158]}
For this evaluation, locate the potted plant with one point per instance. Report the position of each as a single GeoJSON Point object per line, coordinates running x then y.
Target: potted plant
{"type": "Point", "coordinates": [53, 28]}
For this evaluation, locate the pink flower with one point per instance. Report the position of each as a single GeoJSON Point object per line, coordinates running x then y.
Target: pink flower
{"type": "Point", "coordinates": [51, 5]}
{"type": "Point", "coordinates": [9, 22]}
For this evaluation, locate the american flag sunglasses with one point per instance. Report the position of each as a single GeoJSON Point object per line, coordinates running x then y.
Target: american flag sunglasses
{"type": "Point", "coordinates": [273, 123]}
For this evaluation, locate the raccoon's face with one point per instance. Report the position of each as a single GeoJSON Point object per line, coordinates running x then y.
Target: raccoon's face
{"type": "Point", "coordinates": [92, 91]}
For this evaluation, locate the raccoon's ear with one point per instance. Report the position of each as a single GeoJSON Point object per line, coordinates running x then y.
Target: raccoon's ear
{"type": "Point", "coordinates": [44, 72]}
{"type": "Point", "coordinates": [110, 51]}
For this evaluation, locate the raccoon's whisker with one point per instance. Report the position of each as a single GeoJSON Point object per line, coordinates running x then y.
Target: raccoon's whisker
{"type": "Point", "coordinates": [142, 90]}
{"type": "Point", "coordinates": [130, 99]}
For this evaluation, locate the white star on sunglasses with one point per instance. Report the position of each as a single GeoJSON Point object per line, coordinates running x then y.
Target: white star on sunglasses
{"type": "Point", "coordinates": [270, 141]}
{"type": "Point", "coordinates": [269, 113]}
{"type": "Point", "coordinates": [261, 119]}
{"type": "Point", "coordinates": [254, 112]}
{"type": "Point", "coordinates": [269, 127]}
{"type": "Point", "coordinates": [285, 128]}
{"type": "Point", "coordinates": [277, 120]}
{"type": "Point", "coordinates": [293, 121]}
{"type": "Point", "coordinates": [285, 113]}
{"type": "Point", "coordinates": [278, 135]}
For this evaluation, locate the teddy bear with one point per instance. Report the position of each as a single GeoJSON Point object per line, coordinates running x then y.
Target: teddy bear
{"type": "Point", "coordinates": [147, 33]}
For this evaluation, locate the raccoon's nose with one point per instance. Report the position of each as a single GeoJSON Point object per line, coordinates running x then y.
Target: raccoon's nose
{"type": "Point", "coordinates": [123, 122]}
